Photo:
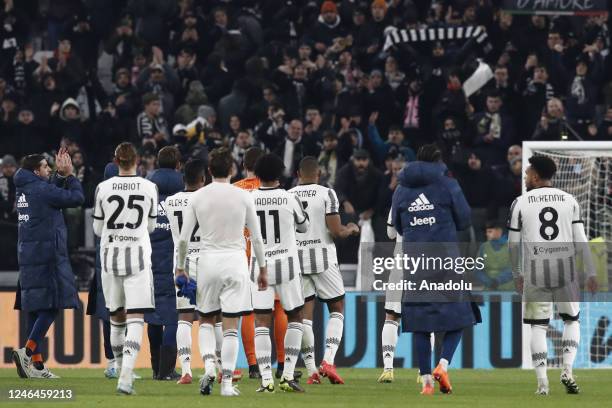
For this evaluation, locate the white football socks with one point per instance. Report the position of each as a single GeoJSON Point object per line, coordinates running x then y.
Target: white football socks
{"type": "Point", "coordinates": [229, 354]}
{"type": "Point", "coordinates": [183, 345]}
{"type": "Point", "coordinates": [117, 340]}
{"type": "Point", "coordinates": [263, 353]}
{"type": "Point", "coordinates": [131, 347]}
{"type": "Point", "coordinates": [444, 364]}
{"type": "Point", "coordinates": [539, 352]}
{"type": "Point", "coordinates": [218, 343]}
{"type": "Point", "coordinates": [389, 341]}
{"type": "Point", "coordinates": [569, 343]}
{"type": "Point", "coordinates": [293, 342]}
{"type": "Point", "coordinates": [206, 340]}
{"type": "Point", "coordinates": [427, 379]}
{"type": "Point", "coordinates": [333, 336]}
{"type": "Point", "coordinates": [308, 347]}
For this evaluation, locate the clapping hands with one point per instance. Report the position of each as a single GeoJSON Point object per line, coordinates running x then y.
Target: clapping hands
{"type": "Point", "coordinates": [63, 162]}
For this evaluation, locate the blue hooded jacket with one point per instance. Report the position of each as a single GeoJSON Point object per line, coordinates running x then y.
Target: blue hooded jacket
{"type": "Point", "coordinates": [45, 276]}
{"type": "Point", "coordinates": [428, 205]}
{"type": "Point", "coordinates": [169, 182]}
{"type": "Point", "coordinates": [96, 304]}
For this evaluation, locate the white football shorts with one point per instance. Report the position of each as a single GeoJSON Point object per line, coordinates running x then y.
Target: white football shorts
{"type": "Point", "coordinates": [223, 283]}
{"type": "Point", "coordinates": [134, 292]}
{"type": "Point", "coordinates": [328, 286]}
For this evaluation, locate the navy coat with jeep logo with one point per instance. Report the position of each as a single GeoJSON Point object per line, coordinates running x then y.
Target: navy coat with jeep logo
{"type": "Point", "coordinates": [169, 182]}
{"type": "Point", "coordinates": [46, 280]}
{"type": "Point", "coordinates": [429, 206]}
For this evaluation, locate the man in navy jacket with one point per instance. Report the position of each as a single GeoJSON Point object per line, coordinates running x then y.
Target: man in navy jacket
{"type": "Point", "coordinates": [162, 323]}
{"type": "Point", "coordinates": [429, 206]}
{"type": "Point", "coordinates": [46, 281]}
{"type": "Point", "coordinates": [96, 304]}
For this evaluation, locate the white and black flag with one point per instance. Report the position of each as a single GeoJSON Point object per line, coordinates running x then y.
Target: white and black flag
{"type": "Point", "coordinates": [413, 35]}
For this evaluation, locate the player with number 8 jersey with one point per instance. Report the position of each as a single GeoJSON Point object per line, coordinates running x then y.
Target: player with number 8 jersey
{"type": "Point", "coordinates": [546, 236]}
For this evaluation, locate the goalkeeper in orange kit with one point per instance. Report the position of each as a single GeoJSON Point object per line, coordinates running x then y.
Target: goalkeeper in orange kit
{"type": "Point", "coordinates": [250, 183]}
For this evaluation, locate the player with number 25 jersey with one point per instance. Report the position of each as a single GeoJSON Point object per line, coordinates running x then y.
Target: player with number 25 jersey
{"type": "Point", "coordinates": [128, 207]}
{"type": "Point", "coordinates": [125, 213]}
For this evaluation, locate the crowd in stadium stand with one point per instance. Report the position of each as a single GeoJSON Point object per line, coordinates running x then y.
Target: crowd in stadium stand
{"type": "Point", "coordinates": [298, 78]}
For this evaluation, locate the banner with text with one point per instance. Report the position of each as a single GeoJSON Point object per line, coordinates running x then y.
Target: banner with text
{"type": "Point", "coordinates": [75, 340]}
{"type": "Point", "coordinates": [556, 7]}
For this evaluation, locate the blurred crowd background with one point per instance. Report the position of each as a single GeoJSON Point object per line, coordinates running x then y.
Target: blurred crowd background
{"type": "Point", "coordinates": [298, 78]}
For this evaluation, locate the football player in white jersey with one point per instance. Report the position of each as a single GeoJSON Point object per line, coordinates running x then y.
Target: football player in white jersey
{"type": "Point", "coordinates": [280, 214]}
{"type": "Point", "coordinates": [319, 265]}
{"type": "Point", "coordinates": [176, 205]}
{"type": "Point", "coordinates": [223, 287]}
{"type": "Point", "coordinates": [545, 234]}
{"type": "Point", "coordinates": [125, 212]}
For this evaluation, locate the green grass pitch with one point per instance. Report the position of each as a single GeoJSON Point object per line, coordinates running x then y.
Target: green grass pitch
{"type": "Point", "coordinates": [472, 388]}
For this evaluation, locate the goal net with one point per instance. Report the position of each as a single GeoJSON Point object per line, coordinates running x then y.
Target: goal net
{"type": "Point", "coordinates": [584, 169]}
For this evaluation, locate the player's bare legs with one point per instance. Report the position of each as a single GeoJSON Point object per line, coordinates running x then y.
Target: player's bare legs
{"type": "Point", "coordinates": [183, 344]}
{"type": "Point", "coordinates": [389, 338]}
{"type": "Point", "coordinates": [126, 339]}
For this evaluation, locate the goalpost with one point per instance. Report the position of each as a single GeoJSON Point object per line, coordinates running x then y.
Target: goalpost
{"type": "Point", "coordinates": [584, 169]}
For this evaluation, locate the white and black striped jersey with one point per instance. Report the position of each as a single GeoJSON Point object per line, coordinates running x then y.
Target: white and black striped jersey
{"type": "Point", "coordinates": [147, 127]}
{"type": "Point", "coordinates": [316, 248]}
{"type": "Point", "coordinates": [280, 215]}
{"type": "Point", "coordinates": [176, 206]}
{"type": "Point", "coordinates": [126, 207]}
{"type": "Point", "coordinates": [547, 223]}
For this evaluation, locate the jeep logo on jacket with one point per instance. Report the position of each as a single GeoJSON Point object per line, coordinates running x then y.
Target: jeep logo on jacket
{"type": "Point", "coordinates": [428, 205]}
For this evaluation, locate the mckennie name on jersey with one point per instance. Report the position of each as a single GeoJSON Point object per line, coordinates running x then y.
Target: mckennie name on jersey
{"type": "Point", "coordinates": [548, 224]}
